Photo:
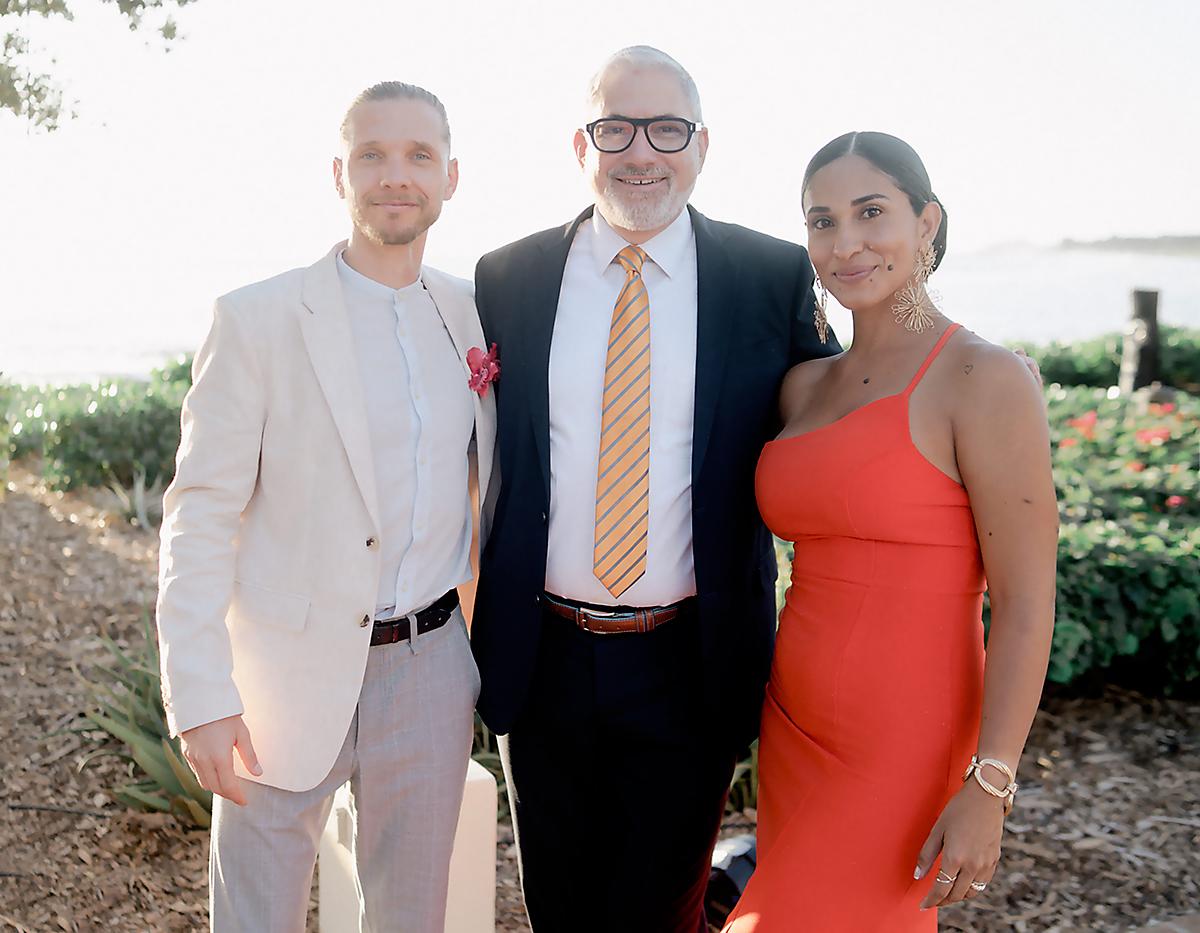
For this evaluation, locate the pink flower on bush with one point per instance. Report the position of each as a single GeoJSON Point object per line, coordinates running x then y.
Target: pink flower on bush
{"type": "Point", "coordinates": [1135, 465]}
{"type": "Point", "coordinates": [1164, 408]}
{"type": "Point", "coordinates": [485, 369]}
{"type": "Point", "coordinates": [1068, 442]}
{"type": "Point", "coordinates": [1155, 436]}
{"type": "Point", "coordinates": [1085, 424]}
{"type": "Point", "coordinates": [1174, 502]}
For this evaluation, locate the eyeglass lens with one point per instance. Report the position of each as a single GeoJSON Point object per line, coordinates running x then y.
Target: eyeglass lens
{"type": "Point", "coordinates": [664, 135]}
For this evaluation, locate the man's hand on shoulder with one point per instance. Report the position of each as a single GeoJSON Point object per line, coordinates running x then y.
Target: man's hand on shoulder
{"type": "Point", "coordinates": [209, 751]}
{"type": "Point", "coordinates": [1031, 364]}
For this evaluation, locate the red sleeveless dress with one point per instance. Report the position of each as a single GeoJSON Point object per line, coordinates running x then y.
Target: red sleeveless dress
{"type": "Point", "coordinates": [872, 711]}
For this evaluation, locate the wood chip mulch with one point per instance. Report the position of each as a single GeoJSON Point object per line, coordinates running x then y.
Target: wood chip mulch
{"type": "Point", "coordinates": [1106, 834]}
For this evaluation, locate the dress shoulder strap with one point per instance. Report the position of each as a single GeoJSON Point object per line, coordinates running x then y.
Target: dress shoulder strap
{"type": "Point", "coordinates": [937, 348]}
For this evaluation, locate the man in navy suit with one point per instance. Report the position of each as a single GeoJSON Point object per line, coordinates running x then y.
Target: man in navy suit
{"type": "Point", "coordinates": [625, 613]}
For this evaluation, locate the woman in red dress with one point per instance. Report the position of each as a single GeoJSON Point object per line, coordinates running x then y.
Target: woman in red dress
{"type": "Point", "coordinates": [911, 467]}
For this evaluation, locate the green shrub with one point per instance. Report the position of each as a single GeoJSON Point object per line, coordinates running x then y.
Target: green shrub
{"type": "Point", "coordinates": [120, 433]}
{"type": "Point", "coordinates": [1128, 605]}
{"type": "Point", "coordinates": [1129, 549]}
{"type": "Point", "coordinates": [1097, 362]}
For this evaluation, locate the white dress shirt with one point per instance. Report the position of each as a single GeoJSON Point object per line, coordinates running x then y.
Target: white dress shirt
{"type": "Point", "coordinates": [420, 420]}
{"type": "Point", "coordinates": [590, 286]}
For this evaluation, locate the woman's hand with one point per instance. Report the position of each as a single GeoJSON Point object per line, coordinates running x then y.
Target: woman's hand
{"type": "Point", "coordinates": [967, 835]}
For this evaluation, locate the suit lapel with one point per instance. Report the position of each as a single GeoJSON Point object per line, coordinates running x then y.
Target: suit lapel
{"type": "Point", "coordinates": [543, 296]}
{"type": "Point", "coordinates": [716, 307]}
{"type": "Point", "coordinates": [325, 329]}
{"type": "Point", "coordinates": [461, 320]}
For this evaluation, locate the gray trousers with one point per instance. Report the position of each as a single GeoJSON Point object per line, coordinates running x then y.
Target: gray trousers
{"type": "Point", "coordinates": [405, 756]}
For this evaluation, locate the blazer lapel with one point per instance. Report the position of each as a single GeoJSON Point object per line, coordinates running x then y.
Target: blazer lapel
{"type": "Point", "coordinates": [461, 320]}
{"type": "Point", "coordinates": [716, 306]}
{"type": "Point", "coordinates": [543, 308]}
{"type": "Point", "coordinates": [325, 329]}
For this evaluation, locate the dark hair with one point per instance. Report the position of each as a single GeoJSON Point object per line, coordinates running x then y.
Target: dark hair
{"type": "Point", "coordinates": [893, 157]}
{"type": "Point", "coordinates": [398, 90]}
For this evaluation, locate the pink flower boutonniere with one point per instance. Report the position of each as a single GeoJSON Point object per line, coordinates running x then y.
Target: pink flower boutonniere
{"type": "Point", "coordinates": [485, 369]}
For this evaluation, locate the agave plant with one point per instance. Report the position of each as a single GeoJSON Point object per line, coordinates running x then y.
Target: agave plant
{"type": "Point", "coordinates": [127, 707]}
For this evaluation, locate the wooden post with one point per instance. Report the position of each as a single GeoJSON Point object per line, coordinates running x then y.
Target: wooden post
{"type": "Point", "coordinates": [1140, 357]}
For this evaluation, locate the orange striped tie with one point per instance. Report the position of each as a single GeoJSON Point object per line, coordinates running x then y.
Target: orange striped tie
{"type": "Point", "coordinates": [623, 475]}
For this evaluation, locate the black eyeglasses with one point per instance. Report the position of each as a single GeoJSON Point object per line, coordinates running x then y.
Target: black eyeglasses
{"type": "Point", "coordinates": [665, 134]}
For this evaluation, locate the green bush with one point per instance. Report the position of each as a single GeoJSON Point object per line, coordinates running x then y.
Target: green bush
{"type": "Point", "coordinates": [119, 433]}
{"type": "Point", "coordinates": [1128, 605]}
{"type": "Point", "coordinates": [1097, 362]}
{"type": "Point", "coordinates": [1129, 549]}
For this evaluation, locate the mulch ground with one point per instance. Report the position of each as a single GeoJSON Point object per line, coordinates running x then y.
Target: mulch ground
{"type": "Point", "coordinates": [1105, 835]}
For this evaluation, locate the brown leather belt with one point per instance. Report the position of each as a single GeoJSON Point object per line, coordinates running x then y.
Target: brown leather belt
{"type": "Point", "coordinates": [601, 622]}
{"type": "Point", "coordinates": [390, 631]}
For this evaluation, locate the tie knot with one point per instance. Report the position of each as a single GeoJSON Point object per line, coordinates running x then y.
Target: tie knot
{"type": "Point", "coordinates": [631, 259]}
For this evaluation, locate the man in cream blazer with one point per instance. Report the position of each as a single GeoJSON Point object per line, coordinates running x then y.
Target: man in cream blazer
{"type": "Point", "coordinates": [315, 537]}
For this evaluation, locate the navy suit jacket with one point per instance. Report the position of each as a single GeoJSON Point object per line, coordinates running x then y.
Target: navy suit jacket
{"type": "Point", "coordinates": [755, 320]}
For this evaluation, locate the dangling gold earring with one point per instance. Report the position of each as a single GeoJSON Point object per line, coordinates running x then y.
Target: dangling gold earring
{"type": "Point", "coordinates": [913, 303]}
{"type": "Point", "coordinates": [819, 317]}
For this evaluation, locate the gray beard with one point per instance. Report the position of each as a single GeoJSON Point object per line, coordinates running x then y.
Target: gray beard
{"type": "Point", "coordinates": [648, 215]}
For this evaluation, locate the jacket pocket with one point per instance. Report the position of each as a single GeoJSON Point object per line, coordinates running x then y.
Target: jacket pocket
{"type": "Point", "coordinates": [260, 605]}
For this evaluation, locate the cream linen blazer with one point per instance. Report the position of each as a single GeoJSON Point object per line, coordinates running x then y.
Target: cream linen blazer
{"type": "Point", "coordinates": [268, 570]}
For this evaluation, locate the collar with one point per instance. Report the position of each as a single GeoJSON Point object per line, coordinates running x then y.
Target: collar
{"type": "Point", "coordinates": [365, 285]}
{"type": "Point", "coordinates": [666, 249]}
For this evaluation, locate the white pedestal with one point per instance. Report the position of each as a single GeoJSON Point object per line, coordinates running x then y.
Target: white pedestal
{"type": "Point", "coordinates": [471, 907]}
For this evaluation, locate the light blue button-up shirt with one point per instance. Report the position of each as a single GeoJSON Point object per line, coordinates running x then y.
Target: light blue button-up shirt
{"type": "Point", "coordinates": [420, 417]}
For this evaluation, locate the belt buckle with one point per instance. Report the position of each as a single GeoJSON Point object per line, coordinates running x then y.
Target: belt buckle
{"type": "Point", "coordinates": [599, 614]}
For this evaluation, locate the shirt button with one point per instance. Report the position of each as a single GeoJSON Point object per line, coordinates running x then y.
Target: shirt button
{"type": "Point", "coordinates": [366, 620]}
{"type": "Point", "coordinates": [370, 542]}
{"type": "Point", "coordinates": [543, 518]}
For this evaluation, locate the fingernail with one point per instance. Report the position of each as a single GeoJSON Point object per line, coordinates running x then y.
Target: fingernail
{"type": "Point", "coordinates": [257, 770]}
{"type": "Point", "coordinates": [917, 874]}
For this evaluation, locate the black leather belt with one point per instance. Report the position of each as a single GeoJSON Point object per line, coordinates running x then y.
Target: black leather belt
{"type": "Point", "coordinates": [390, 631]}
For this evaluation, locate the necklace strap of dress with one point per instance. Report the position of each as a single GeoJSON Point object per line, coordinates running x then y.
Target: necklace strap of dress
{"type": "Point", "coordinates": [937, 348]}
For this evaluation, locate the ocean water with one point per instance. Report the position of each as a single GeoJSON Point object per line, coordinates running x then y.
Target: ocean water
{"type": "Point", "coordinates": [1025, 294]}
{"type": "Point", "coordinates": [1020, 293]}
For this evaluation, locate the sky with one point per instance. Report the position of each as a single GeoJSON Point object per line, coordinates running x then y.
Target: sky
{"type": "Point", "coordinates": [191, 171]}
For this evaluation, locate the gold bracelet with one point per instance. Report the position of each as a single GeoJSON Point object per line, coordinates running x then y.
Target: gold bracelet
{"type": "Point", "coordinates": [1007, 793]}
